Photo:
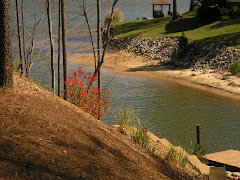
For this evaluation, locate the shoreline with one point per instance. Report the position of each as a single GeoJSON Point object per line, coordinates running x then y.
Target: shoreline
{"type": "Point", "coordinates": [216, 82]}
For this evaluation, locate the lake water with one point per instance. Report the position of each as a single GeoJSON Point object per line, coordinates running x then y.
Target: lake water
{"type": "Point", "coordinates": [169, 110]}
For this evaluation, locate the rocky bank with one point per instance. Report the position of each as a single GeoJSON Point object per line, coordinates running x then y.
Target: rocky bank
{"type": "Point", "coordinates": [166, 50]}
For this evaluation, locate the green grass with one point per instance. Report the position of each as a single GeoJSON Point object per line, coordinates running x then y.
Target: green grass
{"type": "Point", "coordinates": [221, 32]}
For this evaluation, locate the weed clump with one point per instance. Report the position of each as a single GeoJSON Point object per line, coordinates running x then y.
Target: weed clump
{"type": "Point", "coordinates": [140, 136]}
{"type": "Point", "coordinates": [178, 158]}
{"type": "Point", "coordinates": [126, 118]}
{"type": "Point", "coordinates": [200, 153]}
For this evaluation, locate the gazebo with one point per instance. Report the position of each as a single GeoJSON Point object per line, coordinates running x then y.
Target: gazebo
{"type": "Point", "coordinates": [159, 13]}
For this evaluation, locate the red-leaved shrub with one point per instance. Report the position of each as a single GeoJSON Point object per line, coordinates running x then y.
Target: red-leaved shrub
{"type": "Point", "coordinates": [87, 97]}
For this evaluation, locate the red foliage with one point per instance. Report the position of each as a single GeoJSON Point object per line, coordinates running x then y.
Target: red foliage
{"type": "Point", "coordinates": [86, 97]}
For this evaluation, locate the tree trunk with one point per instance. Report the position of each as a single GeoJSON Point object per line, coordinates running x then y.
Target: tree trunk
{"type": "Point", "coordinates": [192, 6]}
{"type": "Point", "coordinates": [90, 32]}
{"type": "Point", "coordinates": [24, 46]}
{"type": "Point", "coordinates": [51, 43]}
{"type": "Point", "coordinates": [175, 11]}
{"type": "Point", "coordinates": [59, 47]}
{"type": "Point", "coordinates": [19, 38]}
{"type": "Point", "coordinates": [64, 46]}
{"type": "Point", "coordinates": [99, 48]}
{"type": "Point", "coordinates": [6, 66]}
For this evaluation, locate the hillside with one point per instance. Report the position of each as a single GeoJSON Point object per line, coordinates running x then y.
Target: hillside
{"type": "Point", "coordinates": [45, 137]}
{"type": "Point", "coordinates": [221, 32]}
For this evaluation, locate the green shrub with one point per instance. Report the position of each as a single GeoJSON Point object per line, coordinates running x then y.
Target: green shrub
{"type": "Point", "coordinates": [224, 11]}
{"type": "Point", "coordinates": [234, 68]}
{"type": "Point", "coordinates": [117, 17]}
{"type": "Point", "coordinates": [234, 12]}
{"type": "Point", "coordinates": [210, 9]}
{"type": "Point", "coordinates": [224, 14]}
{"type": "Point", "coordinates": [177, 158]}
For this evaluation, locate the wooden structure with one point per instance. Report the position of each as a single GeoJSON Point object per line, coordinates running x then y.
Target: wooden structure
{"type": "Point", "coordinates": [159, 13]}
{"type": "Point", "coordinates": [232, 3]}
{"type": "Point", "coordinates": [230, 159]}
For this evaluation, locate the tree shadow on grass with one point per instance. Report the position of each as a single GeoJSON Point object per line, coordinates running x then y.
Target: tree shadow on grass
{"type": "Point", "coordinates": [186, 24]}
{"type": "Point", "coordinates": [138, 25]}
{"type": "Point", "coordinates": [231, 39]}
{"type": "Point", "coordinates": [226, 23]}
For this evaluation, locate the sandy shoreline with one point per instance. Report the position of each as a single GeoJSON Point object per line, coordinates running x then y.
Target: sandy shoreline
{"type": "Point", "coordinates": [216, 82]}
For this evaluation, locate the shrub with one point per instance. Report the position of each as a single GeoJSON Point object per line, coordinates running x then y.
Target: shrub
{"type": "Point", "coordinates": [210, 9]}
{"type": "Point", "coordinates": [117, 17]}
{"type": "Point", "coordinates": [85, 96]}
{"type": "Point", "coordinates": [224, 14]}
{"type": "Point", "coordinates": [183, 42]}
{"type": "Point", "coordinates": [234, 68]}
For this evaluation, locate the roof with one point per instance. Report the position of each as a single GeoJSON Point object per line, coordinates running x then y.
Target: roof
{"type": "Point", "coordinates": [161, 3]}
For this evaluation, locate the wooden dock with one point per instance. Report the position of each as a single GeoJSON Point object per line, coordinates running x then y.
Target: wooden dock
{"type": "Point", "coordinates": [230, 159]}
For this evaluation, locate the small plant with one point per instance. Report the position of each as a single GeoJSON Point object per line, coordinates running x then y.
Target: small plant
{"type": "Point", "coordinates": [140, 136]}
{"type": "Point", "coordinates": [3, 90]}
{"type": "Point", "coordinates": [234, 68]}
{"type": "Point", "coordinates": [16, 65]}
{"type": "Point", "coordinates": [117, 17]}
{"type": "Point", "coordinates": [152, 148]}
{"type": "Point", "coordinates": [200, 153]}
{"type": "Point", "coordinates": [85, 96]}
{"type": "Point", "coordinates": [175, 157]}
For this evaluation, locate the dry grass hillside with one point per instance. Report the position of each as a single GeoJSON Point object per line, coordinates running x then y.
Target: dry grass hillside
{"type": "Point", "coordinates": [45, 137]}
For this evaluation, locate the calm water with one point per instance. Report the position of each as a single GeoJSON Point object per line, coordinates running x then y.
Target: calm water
{"type": "Point", "coordinates": [172, 111]}
{"type": "Point", "coordinates": [169, 110]}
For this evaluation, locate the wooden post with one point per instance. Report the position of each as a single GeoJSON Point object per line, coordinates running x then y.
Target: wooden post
{"type": "Point", "coordinates": [153, 11]}
{"type": "Point", "coordinates": [198, 134]}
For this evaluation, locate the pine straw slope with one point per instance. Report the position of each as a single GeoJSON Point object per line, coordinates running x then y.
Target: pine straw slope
{"type": "Point", "coordinates": [44, 137]}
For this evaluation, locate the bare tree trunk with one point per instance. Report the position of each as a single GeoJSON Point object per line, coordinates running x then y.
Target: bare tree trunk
{"type": "Point", "coordinates": [64, 46]}
{"type": "Point", "coordinates": [51, 43]}
{"type": "Point", "coordinates": [192, 5]}
{"type": "Point", "coordinates": [19, 38]}
{"type": "Point", "coordinates": [175, 11]}
{"type": "Point", "coordinates": [59, 47]}
{"type": "Point", "coordinates": [99, 48]}
{"type": "Point", "coordinates": [6, 66]}
{"type": "Point", "coordinates": [24, 46]}
{"type": "Point", "coordinates": [90, 33]}
{"type": "Point", "coordinates": [107, 41]}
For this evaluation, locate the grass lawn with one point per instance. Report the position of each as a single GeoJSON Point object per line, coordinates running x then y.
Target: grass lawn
{"type": "Point", "coordinates": [222, 32]}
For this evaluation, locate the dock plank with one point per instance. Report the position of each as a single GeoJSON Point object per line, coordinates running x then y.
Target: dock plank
{"type": "Point", "coordinates": [228, 158]}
